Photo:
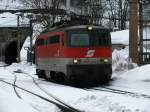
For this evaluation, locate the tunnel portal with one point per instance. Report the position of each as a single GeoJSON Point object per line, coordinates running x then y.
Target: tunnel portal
{"type": "Point", "coordinates": [8, 42]}
{"type": "Point", "coordinates": [11, 52]}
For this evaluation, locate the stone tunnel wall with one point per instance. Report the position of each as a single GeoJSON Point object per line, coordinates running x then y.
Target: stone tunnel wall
{"type": "Point", "coordinates": [8, 42]}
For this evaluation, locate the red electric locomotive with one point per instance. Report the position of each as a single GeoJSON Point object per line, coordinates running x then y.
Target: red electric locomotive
{"type": "Point", "coordinates": [76, 54]}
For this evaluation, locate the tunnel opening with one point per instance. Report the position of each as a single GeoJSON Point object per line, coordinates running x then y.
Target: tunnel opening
{"type": "Point", "coordinates": [11, 52]}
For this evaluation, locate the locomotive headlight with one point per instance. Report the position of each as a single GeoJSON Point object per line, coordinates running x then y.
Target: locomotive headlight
{"type": "Point", "coordinates": [106, 60]}
{"type": "Point", "coordinates": [90, 27]}
{"type": "Point", "coordinates": [75, 61]}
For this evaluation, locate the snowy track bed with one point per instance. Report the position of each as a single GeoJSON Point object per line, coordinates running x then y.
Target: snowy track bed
{"type": "Point", "coordinates": [88, 101]}
{"type": "Point", "coordinates": [19, 87]}
{"type": "Point", "coordinates": [123, 92]}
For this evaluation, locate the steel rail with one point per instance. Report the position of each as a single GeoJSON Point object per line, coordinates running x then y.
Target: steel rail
{"type": "Point", "coordinates": [108, 89]}
{"type": "Point", "coordinates": [14, 87]}
{"type": "Point", "coordinates": [17, 94]}
{"type": "Point", "coordinates": [60, 106]}
{"type": "Point", "coordinates": [50, 95]}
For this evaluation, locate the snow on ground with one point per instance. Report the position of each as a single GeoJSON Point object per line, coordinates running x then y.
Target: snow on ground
{"type": "Point", "coordinates": [121, 60]}
{"type": "Point", "coordinates": [89, 101]}
{"type": "Point", "coordinates": [8, 19]}
{"type": "Point", "coordinates": [120, 37]}
{"type": "Point", "coordinates": [32, 103]}
{"type": "Point", "coordinates": [137, 80]}
{"type": "Point", "coordinates": [9, 103]}
{"type": "Point", "coordinates": [23, 52]}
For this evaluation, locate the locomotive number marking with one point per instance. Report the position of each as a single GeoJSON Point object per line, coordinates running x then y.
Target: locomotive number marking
{"type": "Point", "coordinates": [90, 53]}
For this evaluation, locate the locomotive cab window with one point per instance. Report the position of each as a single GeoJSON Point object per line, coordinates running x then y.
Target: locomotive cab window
{"type": "Point", "coordinates": [80, 40]}
{"type": "Point", "coordinates": [54, 39]}
{"type": "Point", "coordinates": [82, 37]}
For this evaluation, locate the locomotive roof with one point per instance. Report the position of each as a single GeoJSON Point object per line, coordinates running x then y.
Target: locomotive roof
{"type": "Point", "coordinates": [83, 26]}
{"type": "Point", "coordinates": [73, 27]}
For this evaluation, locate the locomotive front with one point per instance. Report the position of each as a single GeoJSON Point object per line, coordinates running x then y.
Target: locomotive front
{"type": "Point", "coordinates": [90, 54]}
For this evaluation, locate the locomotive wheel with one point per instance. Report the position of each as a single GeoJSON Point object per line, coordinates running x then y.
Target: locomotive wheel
{"type": "Point", "coordinates": [60, 77]}
{"type": "Point", "coordinates": [52, 75]}
{"type": "Point", "coordinates": [106, 79]}
{"type": "Point", "coordinates": [47, 75]}
{"type": "Point", "coordinates": [40, 73]}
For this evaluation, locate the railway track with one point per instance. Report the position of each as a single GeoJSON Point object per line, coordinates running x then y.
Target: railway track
{"type": "Point", "coordinates": [14, 83]}
{"type": "Point", "coordinates": [60, 104]}
{"type": "Point", "coordinates": [118, 91]}
{"type": "Point", "coordinates": [102, 88]}
{"type": "Point", "coordinates": [49, 94]}
{"type": "Point", "coordinates": [64, 107]}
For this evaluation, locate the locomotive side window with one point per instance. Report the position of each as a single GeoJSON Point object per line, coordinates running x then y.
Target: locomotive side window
{"type": "Point", "coordinates": [54, 39]}
{"type": "Point", "coordinates": [40, 42]}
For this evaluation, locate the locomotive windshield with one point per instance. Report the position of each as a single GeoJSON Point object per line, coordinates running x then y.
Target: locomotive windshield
{"type": "Point", "coordinates": [83, 37]}
{"type": "Point", "coordinates": [80, 39]}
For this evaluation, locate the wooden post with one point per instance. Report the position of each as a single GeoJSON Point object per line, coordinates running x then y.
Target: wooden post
{"type": "Point", "coordinates": [18, 39]}
{"type": "Point", "coordinates": [31, 44]}
{"type": "Point", "coordinates": [140, 34]}
{"type": "Point", "coordinates": [133, 31]}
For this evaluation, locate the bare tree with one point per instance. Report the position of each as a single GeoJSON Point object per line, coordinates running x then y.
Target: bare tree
{"type": "Point", "coordinates": [94, 9]}
{"type": "Point", "coordinates": [47, 19]}
{"type": "Point", "coordinates": [118, 12]}
{"type": "Point", "coordinates": [114, 11]}
{"type": "Point", "coordinates": [98, 11]}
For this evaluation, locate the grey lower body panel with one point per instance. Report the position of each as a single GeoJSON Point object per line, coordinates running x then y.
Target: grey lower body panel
{"type": "Point", "coordinates": [78, 73]}
{"type": "Point", "coordinates": [91, 73]}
